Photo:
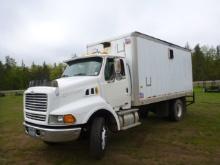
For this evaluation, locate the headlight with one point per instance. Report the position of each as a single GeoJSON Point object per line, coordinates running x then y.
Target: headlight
{"type": "Point", "coordinates": [61, 119]}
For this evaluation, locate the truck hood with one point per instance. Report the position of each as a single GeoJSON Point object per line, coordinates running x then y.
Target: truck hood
{"type": "Point", "coordinates": [68, 85]}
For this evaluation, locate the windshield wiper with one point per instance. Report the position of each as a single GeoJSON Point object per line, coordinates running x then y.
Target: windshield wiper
{"type": "Point", "coordinates": [80, 74]}
{"type": "Point", "coordinates": [65, 75]}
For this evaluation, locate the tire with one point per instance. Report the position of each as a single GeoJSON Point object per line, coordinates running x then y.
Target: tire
{"type": "Point", "coordinates": [177, 110]}
{"type": "Point", "coordinates": [98, 138]}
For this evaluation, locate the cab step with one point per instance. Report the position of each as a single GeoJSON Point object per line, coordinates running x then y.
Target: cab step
{"type": "Point", "coordinates": [128, 118]}
{"type": "Point", "coordinates": [130, 126]}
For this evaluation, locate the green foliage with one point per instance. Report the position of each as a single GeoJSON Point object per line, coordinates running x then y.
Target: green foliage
{"type": "Point", "coordinates": [56, 71]}
{"type": "Point", "coordinates": [206, 63]}
{"type": "Point", "coordinates": [198, 62]}
{"type": "Point", "coordinates": [14, 77]}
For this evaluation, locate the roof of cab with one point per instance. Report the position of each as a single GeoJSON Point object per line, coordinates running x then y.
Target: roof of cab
{"type": "Point", "coordinates": [91, 55]}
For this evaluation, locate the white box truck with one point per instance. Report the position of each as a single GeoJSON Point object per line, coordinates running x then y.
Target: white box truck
{"type": "Point", "coordinates": [110, 88]}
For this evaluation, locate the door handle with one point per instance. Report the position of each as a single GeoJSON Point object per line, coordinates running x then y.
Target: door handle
{"type": "Point", "coordinates": [127, 90]}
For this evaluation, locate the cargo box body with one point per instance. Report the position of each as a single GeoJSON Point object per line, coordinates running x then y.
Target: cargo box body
{"type": "Point", "coordinates": [159, 70]}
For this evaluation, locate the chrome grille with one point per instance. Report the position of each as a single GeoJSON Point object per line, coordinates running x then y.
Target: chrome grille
{"type": "Point", "coordinates": [36, 116]}
{"type": "Point", "coordinates": [36, 102]}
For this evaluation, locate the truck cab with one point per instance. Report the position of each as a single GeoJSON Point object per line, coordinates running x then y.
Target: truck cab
{"type": "Point", "coordinates": [111, 75]}
{"type": "Point", "coordinates": [92, 89]}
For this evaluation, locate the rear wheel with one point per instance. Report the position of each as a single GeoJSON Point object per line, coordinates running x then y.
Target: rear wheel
{"type": "Point", "coordinates": [177, 110]}
{"type": "Point", "coordinates": [98, 138]}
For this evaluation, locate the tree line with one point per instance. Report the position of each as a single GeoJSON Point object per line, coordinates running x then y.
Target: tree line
{"type": "Point", "coordinates": [13, 76]}
{"type": "Point", "coordinates": [205, 65]}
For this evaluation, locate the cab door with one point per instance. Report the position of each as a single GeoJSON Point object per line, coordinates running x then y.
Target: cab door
{"type": "Point", "coordinates": [116, 88]}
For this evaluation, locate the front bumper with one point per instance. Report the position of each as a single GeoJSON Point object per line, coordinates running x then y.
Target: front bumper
{"type": "Point", "coordinates": [53, 134]}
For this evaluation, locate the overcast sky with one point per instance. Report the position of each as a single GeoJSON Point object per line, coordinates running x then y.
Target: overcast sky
{"type": "Point", "coordinates": [53, 30]}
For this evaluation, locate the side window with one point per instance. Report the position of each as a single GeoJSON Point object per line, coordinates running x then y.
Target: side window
{"type": "Point", "coordinates": [122, 67]}
{"type": "Point", "coordinates": [109, 69]}
{"type": "Point", "coordinates": [170, 54]}
{"type": "Point", "coordinates": [119, 69]}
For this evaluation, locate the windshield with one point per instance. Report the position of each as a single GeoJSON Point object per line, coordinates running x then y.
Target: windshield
{"type": "Point", "coordinates": [83, 67]}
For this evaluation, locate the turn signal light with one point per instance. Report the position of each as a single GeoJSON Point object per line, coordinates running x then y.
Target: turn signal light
{"type": "Point", "coordinates": [69, 119]}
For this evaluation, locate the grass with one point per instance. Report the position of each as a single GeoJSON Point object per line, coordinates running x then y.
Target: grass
{"type": "Point", "coordinates": [195, 140]}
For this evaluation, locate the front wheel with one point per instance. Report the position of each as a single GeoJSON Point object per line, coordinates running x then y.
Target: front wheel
{"type": "Point", "coordinates": [98, 138]}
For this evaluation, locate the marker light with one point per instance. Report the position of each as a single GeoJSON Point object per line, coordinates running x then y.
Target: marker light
{"type": "Point", "coordinates": [96, 90]}
{"type": "Point", "coordinates": [69, 119]}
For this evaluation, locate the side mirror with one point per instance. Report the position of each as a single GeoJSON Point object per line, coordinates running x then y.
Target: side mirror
{"type": "Point", "coordinates": [117, 65]}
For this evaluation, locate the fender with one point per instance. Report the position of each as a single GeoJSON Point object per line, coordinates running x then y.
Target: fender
{"type": "Point", "coordinates": [84, 108]}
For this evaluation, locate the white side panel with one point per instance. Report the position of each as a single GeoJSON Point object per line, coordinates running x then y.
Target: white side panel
{"type": "Point", "coordinates": [158, 75]}
{"type": "Point", "coordinates": [153, 74]}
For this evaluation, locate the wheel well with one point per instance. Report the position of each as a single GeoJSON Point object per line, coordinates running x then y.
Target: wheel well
{"type": "Point", "coordinates": [183, 99]}
{"type": "Point", "coordinates": [108, 116]}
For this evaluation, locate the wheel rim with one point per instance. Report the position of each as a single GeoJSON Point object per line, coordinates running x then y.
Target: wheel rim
{"type": "Point", "coordinates": [103, 138]}
{"type": "Point", "coordinates": [179, 110]}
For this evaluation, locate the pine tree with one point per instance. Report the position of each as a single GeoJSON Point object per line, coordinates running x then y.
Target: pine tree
{"type": "Point", "coordinates": [198, 61]}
